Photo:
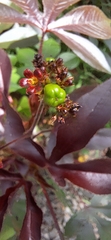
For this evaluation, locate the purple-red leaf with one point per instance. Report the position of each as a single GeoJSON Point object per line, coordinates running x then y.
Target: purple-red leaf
{"type": "Point", "coordinates": [94, 114]}
{"type": "Point", "coordinates": [5, 71]}
{"type": "Point", "coordinates": [4, 201]}
{"type": "Point", "coordinates": [53, 8]}
{"type": "Point", "coordinates": [94, 176]}
{"type": "Point", "coordinates": [14, 129]}
{"type": "Point", "coordinates": [31, 8]}
{"type": "Point", "coordinates": [8, 14]}
{"type": "Point", "coordinates": [77, 93]}
{"type": "Point", "coordinates": [88, 20]}
{"type": "Point", "coordinates": [84, 49]}
{"type": "Point", "coordinates": [33, 218]}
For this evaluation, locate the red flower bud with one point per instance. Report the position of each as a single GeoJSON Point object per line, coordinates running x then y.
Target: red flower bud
{"type": "Point", "coordinates": [23, 82]}
{"type": "Point", "coordinates": [38, 73]}
{"type": "Point", "coordinates": [28, 73]}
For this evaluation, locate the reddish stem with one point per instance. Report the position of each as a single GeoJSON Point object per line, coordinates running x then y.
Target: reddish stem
{"type": "Point", "coordinates": [52, 212]}
{"type": "Point", "coordinates": [41, 132]}
{"type": "Point", "coordinates": [41, 43]}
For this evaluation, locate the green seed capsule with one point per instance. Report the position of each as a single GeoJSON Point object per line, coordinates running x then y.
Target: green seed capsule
{"type": "Point", "coordinates": [54, 95]}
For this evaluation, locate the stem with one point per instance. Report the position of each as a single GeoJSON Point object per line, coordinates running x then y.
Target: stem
{"type": "Point", "coordinates": [41, 43]}
{"type": "Point", "coordinates": [36, 118]}
{"type": "Point", "coordinates": [42, 132]}
{"type": "Point", "coordinates": [52, 213]}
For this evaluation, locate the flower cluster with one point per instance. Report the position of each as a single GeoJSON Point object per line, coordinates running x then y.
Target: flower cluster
{"type": "Point", "coordinates": [49, 81]}
{"type": "Point", "coordinates": [45, 72]}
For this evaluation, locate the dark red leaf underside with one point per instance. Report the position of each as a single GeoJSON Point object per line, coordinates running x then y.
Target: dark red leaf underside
{"type": "Point", "coordinates": [94, 176]}
{"type": "Point", "coordinates": [94, 114]}
{"type": "Point", "coordinates": [4, 201]}
{"type": "Point", "coordinates": [33, 218]}
{"type": "Point", "coordinates": [14, 129]}
{"type": "Point", "coordinates": [79, 92]}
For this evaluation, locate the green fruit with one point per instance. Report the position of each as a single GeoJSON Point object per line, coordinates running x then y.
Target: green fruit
{"type": "Point", "coordinates": [54, 95]}
{"type": "Point", "coordinates": [49, 59]}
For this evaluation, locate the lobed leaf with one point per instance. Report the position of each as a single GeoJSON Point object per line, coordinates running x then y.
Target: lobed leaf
{"type": "Point", "coordinates": [14, 130]}
{"type": "Point", "coordinates": [94, 114]}
{"type": "Point", "coordinates": [5, 69]}
{"type": "Point", "coordinates": [33, 218]}
{"type": "Point", "coordinates": [84, 49]}
{"type": "Point", "coordinates": [52, 9]}
{"type": "Point", "coordinates": [10, 15]}
{"type": "Point", "coordinates": [31, 8]}
{"type": "Point", "coordinates": [94, 176]}
{"type": "Point", "coordinates": [88, 20]}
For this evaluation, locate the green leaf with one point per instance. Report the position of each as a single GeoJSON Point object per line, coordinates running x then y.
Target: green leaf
{"type": "Point", "coordinates": [98, 215]}
{"type": "Point", "coordinates": [24, 58]}
{"type": "Point", "coordinates": [14, 219]}
{"type": "Point", "coordinates": [70, 89]}
{"type": "Point", "coordinates": [80, 228]}
{"type": "Point", "coordinates": [51, 48]}
{"type": "Point", "coordinates": [61, 195]}
{"type": "Point", "coordinates": [7, 232]}
{"type": "Point", "coordinates": [108, 43]}
{"type": "Point", "coordinates": [7, 228]}
{"type": "Point", "coordinates": [23, 107]}
{"type": "Point", "coordinates": [13, 59]}
{"type": "Point", "coordinates": [71, 61]}
{"type": "Point", "coordinates": [18, 213]}
{"type": "Point", "coordinates": [14, 86]}
{"type": "Point", "coordinates": [25, 55]}
{"type": "Point", "coordinates": [5, 26]}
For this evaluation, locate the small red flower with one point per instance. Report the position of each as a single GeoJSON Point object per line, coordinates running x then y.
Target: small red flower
{"type": "Point", "coordinates": [32, 81]}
